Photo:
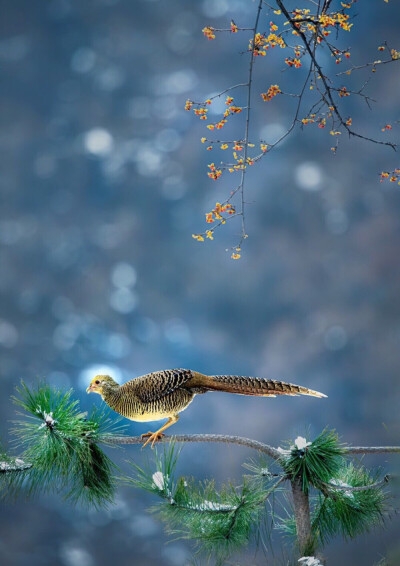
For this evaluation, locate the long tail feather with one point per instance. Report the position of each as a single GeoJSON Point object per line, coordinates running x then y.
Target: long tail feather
{"type": "Point", "coordinates": [250, 386]}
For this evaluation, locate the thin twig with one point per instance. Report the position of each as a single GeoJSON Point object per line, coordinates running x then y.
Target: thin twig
{"type": "Point", "coordinates": [327, 95]}
{"type": "Point", "coordinates": [246, 134]}
{"type": "Point", "coordinates": [227, 90]}
{"type": "Point", "coordinates": [373, 65]}
{"type": "Point", "coordinates": [296, 115]}
{"type": "Point", "coordinates": [375, 485]}
{"type": "Point", "coordinates": [372, 449]}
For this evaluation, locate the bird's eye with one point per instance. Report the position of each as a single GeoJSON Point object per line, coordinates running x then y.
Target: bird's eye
{"type": "Point", "coordinates": [97, 382]}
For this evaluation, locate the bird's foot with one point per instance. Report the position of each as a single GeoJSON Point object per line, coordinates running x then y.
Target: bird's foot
{"type": "Point", "coordinates": [153, 437]}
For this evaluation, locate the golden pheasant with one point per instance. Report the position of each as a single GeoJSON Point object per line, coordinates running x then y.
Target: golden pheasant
{"type": "Point", "coordinates": [164, 394]}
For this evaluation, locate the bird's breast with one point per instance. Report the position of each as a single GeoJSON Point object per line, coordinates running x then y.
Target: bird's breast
{"type": "Point", "coordinates": [149, 416]}
{"type": "Point", "coordinates": [132, 408]}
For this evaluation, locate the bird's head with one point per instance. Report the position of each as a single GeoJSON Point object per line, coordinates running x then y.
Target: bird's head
{"type": "Point", "coordinates": [101, 382]}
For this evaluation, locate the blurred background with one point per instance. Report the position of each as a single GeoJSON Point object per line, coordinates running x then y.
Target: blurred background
{"type": "Point", "coordinates": [103, 182]}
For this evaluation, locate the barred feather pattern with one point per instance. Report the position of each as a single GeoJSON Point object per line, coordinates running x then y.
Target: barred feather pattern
{"type": "Point", "coordinates": [151, 397]}
{"type": "Point", "coordinates": [164, 394]}
{"type": "Point", "coordinates": [256, 386]}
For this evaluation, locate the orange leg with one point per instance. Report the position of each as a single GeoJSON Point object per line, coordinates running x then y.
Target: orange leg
{"type": "Point", "coordinates": [154, 436]}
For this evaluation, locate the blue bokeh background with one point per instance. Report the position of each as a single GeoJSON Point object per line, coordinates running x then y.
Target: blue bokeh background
{"type": "Point", "coordinates": [103, 182]}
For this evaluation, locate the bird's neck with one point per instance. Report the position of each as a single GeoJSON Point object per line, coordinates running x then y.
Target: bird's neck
{"type": "Point", "coordinates": [111, 393]}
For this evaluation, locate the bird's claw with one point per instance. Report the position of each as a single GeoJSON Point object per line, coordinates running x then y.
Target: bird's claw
{"type": "Point", "coordinates": [153, 438]}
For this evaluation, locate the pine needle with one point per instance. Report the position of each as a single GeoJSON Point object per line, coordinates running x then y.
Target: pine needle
{"type": "Point", "coordinates": [61, 444]}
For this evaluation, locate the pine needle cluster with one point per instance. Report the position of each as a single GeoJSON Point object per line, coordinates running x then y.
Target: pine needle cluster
{"type": "Point", "coordinates": [58, 451]}
{"type": "Point", "coordinates": [317, 462]}
{"type": "Point", "coordinates": [342, 502]}
{"type": "Point", "coordinates": [349, 512]}
{"type": "Point", "coordinates": [59, 445]}
{"type": "Point", "coordinates": [219, 521]}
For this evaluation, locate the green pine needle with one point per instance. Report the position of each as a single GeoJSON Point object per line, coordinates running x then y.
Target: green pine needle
{"type": "Point", "coordinates": [11, 468]}
{"type": "Point", "coordinates": [316, 463]}
{"type": "Point", "coordinates": [218, 521]}
{"type": "Point", "coordinates": [259, 467]}
{"type": "Point", "coordinates": [58, 451]}
{"type": "Point", "coordinates": [350, 513]}
{"type": "Point", "coordinates": [61, 444]}
{"type": "Point", "coordinates": [340, 511]}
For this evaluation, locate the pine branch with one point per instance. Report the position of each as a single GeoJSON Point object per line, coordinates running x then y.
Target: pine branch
{"type": "Point", "coordinates": [222, 438]}
{"type": "Point", "coordinates": [302, 516]}
{"type": "Point", "coordinates": [350, 489]}
{"type": "Point", "coordinates": [61, 452]}
{"type": "Point", "coordinates": [242, 441]}
{"type": "Point", "coordinates": [372, 449]}
{"type": "Point", "coordinates": [227, 439]}
{"type": "Point", "coordinates": [218, 521]}
{"type": "Point", "coordinates": [17, 465]}
{"type": "Point", "coordinates": [59, 448]}
{"type": "Point", "coordinates": [354, 504]}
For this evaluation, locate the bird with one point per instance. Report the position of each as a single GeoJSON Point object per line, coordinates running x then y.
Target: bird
{"type": "Point", "coordinates": [165, 394]}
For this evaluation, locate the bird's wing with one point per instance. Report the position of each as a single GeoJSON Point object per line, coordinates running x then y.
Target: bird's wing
{"type": "Point", "coordinates": [156, 385]}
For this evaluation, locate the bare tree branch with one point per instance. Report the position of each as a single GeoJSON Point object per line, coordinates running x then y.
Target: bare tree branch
{"type": "Point", "coordinates": [327, 95]}
{"type": "Point", "coordinates": [246, 133]}
{"type": "Point", "coordinates": [313, 35]}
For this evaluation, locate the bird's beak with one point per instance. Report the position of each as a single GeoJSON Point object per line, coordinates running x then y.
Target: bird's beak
{"type": "Point", "coordinates": [89, 389]}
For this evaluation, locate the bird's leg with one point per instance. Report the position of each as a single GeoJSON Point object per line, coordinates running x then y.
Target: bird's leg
{"type": "Point", "coordinates": [154, 436]}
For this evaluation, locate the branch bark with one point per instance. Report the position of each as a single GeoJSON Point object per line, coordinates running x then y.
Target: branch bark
{"type": "Point", "coordinates": [301, 505]}
{"type": "Point", "coordinates": [20, 465]}
{"type": "Point", "coordinates": [242, 441]}
{"type": "Point", "coordinates": [17, 466]}
{"type": "Point", "coordinates": [238, 440]}
{"type": "Point", "coordinates": [301, 502]}
{"type": "Point", "coordinates": [372, 449]}
{"type": "Point", "coordinates": [349, 488]}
